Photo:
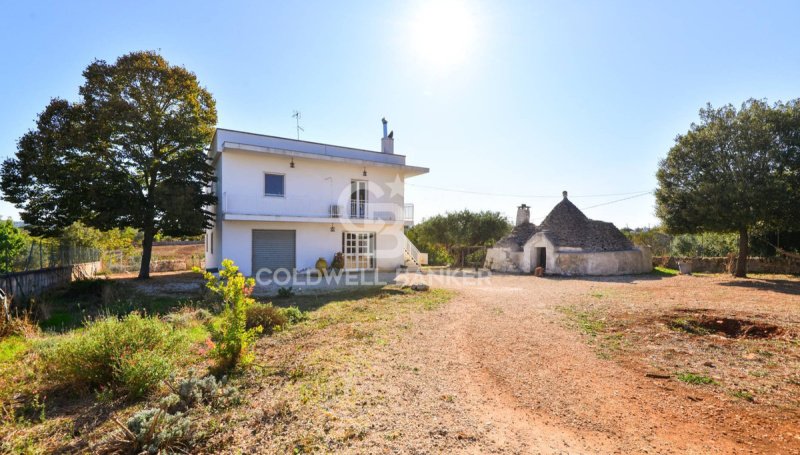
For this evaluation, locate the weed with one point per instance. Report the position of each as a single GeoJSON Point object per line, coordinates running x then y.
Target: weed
{"type": "Point", "coordinates": [688, 326]}
{"type": "Point", "coordinates": [694, 378]}
{"type": "Point", "coordinates": [664, 271]}
{"type": "Point", "coordinates": [266, 316]}
{"type": "Point", "coordinates": [194, 391]}
{"type": "Point", "coordinates": [131, 355]}
{"type": "Point", "coordinates": [589, 322]}
{"type": "Point", "coordinates": [744, 395]}
{"type": "Point", "coordinates": [150, 431]}
{"type": "Point", "coordinates": [12, 347]}
{"type": "Point", "coordinates": [294, 314]}
{"type": "Point", "coordinates": [759, 373]}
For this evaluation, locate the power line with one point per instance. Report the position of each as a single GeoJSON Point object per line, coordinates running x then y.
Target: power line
{"type": "Point", "coordinates": [618, 200]}
{"type": "Point", "coordinates": [453, 190]}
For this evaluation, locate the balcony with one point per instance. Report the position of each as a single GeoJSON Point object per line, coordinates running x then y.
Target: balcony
{"type": "Point", "coordinates": [310, 209]}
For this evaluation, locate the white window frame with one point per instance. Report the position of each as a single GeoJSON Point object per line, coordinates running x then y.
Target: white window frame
{"type": "Point", "coordinates": [354, 257]}
{"type": "Point", "coordinates": [357, 203]}
{"type": "Point", "coordinates": [264, 182]}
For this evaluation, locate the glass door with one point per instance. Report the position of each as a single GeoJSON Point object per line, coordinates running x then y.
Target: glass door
{"type": "Point", "coordinates": [358, 199]}
{"type": "Point", "coordinates": [359, 250]}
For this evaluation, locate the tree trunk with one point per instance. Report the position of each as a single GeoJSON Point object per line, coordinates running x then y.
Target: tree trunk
{"type": "Point", "coordinates": [147, 253]}
{"type": "Point", "coordinates": [744, 247]}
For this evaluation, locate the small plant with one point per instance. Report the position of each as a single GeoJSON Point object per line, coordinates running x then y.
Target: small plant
{"type": "Point", "coordinates": [294, 315]}
{"type": "Point", "coordinates": [150, 431]}
{"type": "Point", "coordinates": [194, 391]}
{"type": "Point", "coordinates": [285, 293]}
{"type": "Point", "coordinates": [232, 337]}
{"type": "Point", "coordinates": [130, 355]}
{"type": "Point", "coordinates": [697, 379]}
{"type": "Point", "coordinates": [266, 316]}
{"type": "Point", "coordinates": [338, 261]}
{"type": "Point", "coordinates": [744, 395]}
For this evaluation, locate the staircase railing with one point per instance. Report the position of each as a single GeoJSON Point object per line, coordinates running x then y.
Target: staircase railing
{"type": "Point", "coordinates": [411, 250]}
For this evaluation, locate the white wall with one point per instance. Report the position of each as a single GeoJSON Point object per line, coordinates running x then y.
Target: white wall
{"type": "Point", "coordinates": [313, 240]}
{"type": "Point", "coordinates": [310, 187]}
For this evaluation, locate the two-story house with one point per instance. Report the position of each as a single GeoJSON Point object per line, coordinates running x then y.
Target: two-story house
{"type": "Point", "coordinates": [284, 203]}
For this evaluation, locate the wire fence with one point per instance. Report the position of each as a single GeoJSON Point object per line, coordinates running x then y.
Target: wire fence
{"type": "Point", "coordinates": [47, 254]}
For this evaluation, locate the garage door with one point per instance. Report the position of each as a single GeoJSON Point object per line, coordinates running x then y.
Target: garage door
{"type": "Point", "coordinates": [273, 250]}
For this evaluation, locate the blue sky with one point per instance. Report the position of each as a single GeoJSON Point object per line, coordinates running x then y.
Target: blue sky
{"type": "Point", "coordinates": [496, 97]}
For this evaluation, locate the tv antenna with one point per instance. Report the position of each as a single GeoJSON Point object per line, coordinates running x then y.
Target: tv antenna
{"type": "Point", "coordinates": [296, 116]}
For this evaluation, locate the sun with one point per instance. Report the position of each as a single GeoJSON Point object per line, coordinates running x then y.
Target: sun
{"type": "Point", "coordinates": [443, 33]}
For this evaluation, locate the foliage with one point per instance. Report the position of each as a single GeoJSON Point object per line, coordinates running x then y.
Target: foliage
{"type": "Point", "coordinates": [338, 261]}
{"type": "Point", "coordinates": [438, 255]}
{"type": "Point", "coordinates": [441, 235]}
{"type": "Point", "coordinates": [704, 244]}
{"type": "Point", "coordinates": [130, 355]}
{"type": "Point", "coordinates": [285, 292]}
{"type": "Point", "coordinates": [231, 335]}
{"type": "Point", "coordinates": [116, 239]}
{"type": "Point", "coordinates": [694, 378]}
{"type": "Point", "coordinates": [735, 171]}
{"type": "Point", "coordinates": [207, 391]}
{"type": "Point", "coordinates": [267, 317]}
{"type": "Point", "coordinates": [150, 431]}
{"type": "Point", "coordinates": [130, 153]}
{"type": "Point", "coordinates": [656, 239]}
{"type": "Point", "coordinates": [12, 244]}
{"type": "Point", "coordinates": [294, 314]}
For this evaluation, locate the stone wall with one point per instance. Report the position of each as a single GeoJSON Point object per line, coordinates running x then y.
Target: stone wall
{"type": "Point", "coordinates": [24, 285]}
{"type": "Point", "coordinates": [777, 265]}
{"type": "Point", "coordinates": [503, 260]}
{"type": "Point", "coordinates": [601, 263]}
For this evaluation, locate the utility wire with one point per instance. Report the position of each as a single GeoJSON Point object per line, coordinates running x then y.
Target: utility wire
{"type": "Point", "coordinates": [453, 190]}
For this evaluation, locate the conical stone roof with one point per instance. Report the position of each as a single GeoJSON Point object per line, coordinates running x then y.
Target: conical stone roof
{"type": "Point", "coordinates": [567, 226]}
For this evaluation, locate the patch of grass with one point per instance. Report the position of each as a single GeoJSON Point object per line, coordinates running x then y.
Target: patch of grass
{"type": "Point", "coordinates": [694, 378]}
{"type": "Point", "coordinates": [744, 395]}
{"type": "Point", "coordinates": [588, 321]}
{"type": "Point", "coordinates": [664, 271]}
{"type": "Point", "coordinates": [12, 347]}
{"type": "Point", "coordinates": [687, 326]}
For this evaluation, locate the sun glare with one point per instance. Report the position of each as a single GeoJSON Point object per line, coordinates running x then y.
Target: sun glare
{"type": "Point", "coordinates": [443, 33]}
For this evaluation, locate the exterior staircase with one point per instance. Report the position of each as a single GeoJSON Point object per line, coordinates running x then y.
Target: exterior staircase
{"type": "Point", "coordinates": [412, 255]}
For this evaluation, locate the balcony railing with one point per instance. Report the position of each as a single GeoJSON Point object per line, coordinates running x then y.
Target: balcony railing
{"type": "Point", "coordinates": [311, 207]}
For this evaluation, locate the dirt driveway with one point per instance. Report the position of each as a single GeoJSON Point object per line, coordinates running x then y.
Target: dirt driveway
{"type": "Point", "coordinates": [502, 369]}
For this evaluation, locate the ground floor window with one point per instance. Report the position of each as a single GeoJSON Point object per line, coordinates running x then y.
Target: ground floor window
{"type": "Point", "coordinates": [359, 250]}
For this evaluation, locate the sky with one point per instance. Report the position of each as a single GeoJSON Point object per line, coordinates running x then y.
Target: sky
{"type": "Point", "coordinates": [507, 102]}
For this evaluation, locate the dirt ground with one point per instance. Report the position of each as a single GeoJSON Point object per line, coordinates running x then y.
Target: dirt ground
{"type": "Point", "coordinates": [518, 364]}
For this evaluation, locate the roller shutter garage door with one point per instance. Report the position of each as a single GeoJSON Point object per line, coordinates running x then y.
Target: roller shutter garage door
{"type": "Point", "coordinates": [273, 250]}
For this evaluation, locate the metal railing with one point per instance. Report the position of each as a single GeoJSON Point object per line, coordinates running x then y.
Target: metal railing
{"type": "Point", "coordinates": [310, 207]}
{"type": "Point", "coordinates": [411, 249]}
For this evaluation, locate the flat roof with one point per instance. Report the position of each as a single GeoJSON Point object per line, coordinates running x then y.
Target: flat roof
{"type": "Point", "coordinates": [223, 135]}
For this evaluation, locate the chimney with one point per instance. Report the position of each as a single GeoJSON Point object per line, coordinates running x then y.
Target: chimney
{"type": "Point", "coordinates": [523, 214]}
{"type": "Point", "coordinates": [564, 193]}
{"type": "Point", "coordinates": [387, 142]}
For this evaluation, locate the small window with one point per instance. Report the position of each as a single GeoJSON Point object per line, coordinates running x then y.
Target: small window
{"type": "Point", "coordinates": [274, 184]}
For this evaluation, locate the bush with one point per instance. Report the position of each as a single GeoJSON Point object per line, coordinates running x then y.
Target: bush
{"type": "Point", "coordinates": [231, 334]}
{"type": "Point", "coordinates": [194, 391]}
{"type": "Point", "coordinates": [130, 355]}
{"type": "Point", "coordinates": [266, 316]}
{"type": "Point", "coordinates": [294, 315]}
{"type": "Point", "coordinates": [285, 293]}
{"type": "Point", "coordinates": [150, 431]}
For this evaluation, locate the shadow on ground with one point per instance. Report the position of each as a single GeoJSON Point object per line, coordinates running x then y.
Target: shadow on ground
{"type": "Point", "coordinates": [782, 286]}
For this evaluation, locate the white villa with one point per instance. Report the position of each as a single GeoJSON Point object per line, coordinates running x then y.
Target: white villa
{"type": "Point", "coordinates": [285, 203]}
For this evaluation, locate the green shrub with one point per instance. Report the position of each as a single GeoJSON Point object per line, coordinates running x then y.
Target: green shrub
{"type": "Point", "coordinates": [267, 317]}
{"type": "Point", "coordinates": [294, 315]}
{"type": "Point", "coordinates": [285, 293]}
{"type": "Point", "coordinates": [230, 333]}
{"type": "Point", "coordinates": [130, 355]}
